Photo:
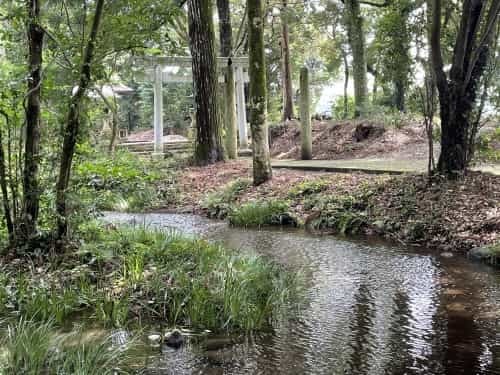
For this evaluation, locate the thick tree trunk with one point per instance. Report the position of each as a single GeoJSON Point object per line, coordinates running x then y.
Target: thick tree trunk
{"type": "Point", "coordinates": [262, 171]}
{"type": "Point", "coordinates": [457, 94]}
{"type": "Point", "coordinates": [305, 116]}
{"type": "Point", "coordinates": [73, 125]}
{"type": "Point", "coordinates": [356, 36]}
{"type": "Point", "coordinates": [31, 196]}
{"type": "Point", "coordinates": [226, 49]}
{"type": "Point", "coordinates": [286, 65]}
{"type": "Point", "coordinates": [208, 146]}
{"type": "Point", "coordinates": [399, 95]}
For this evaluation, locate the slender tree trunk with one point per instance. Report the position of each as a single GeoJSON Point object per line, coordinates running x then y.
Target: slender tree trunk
{"type": "Point", "coordinates": [31, 191]}
{"type": "Point", "coordinates": [208, 146]}
{"type": "Point", "coordinates": [346, 84]}
{"type": "Point", "coordinates": [3, 185]}
{"type": "Point", "coordinates": [305, 116]}
{"type": "Point", "coordinates": [355, 31]}
{"type": "Point", "coordinates": [286, 66]}
{"type": "Point", "coordinates": [73, 125]}
{"type": "Point", "coordinates": [262, 171]}
{"type": "Point", "coordinates": [226, 47]}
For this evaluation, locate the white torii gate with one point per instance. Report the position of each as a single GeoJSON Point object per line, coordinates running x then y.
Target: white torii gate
{"type": "Point", "coordinates": [160, 75]}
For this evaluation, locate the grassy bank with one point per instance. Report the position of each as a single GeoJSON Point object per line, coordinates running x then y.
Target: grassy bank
{"type": "Point", "coordinates": [410, 209]}
{"type": "Point", "coordinates": [130, 277]}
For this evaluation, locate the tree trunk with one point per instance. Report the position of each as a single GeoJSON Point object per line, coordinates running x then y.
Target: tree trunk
{"type": "Point", "coordinates": [262, 171]}
{"type": "Point", "coordinates": [226, 49]}
{"type": "Point", "coordinates": [399, 95]}
{"type": "Point", "coordinates": [3, 184]}
{"type": "Point", "coordinates": [286, 66]}
{"type": "Point", "coordinates": [356, 36]}
{"type": "Point", "coordinates": [457, 94]}
{"type": "Point", "coordinates": [346, 84]}
{"type": "Point", "coordinates": [305, 116]}
{"type": "Point", "coordinates": [31, 196]}
{"type": "Point", "coordinates": [208, 146]}
{"type": "Point", "coordinates": [73, 125]}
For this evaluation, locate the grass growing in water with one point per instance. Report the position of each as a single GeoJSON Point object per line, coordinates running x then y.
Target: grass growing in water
{"type": "Point", "coordinates": [261, 213]}
{"type": "Point", "coordinates": [34, 348]}
{"type": "Point", "coordinates": [125, 276]}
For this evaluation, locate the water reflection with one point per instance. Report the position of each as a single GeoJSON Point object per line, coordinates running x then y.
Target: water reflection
{"type": "Point", "coordinates": [369, 309]}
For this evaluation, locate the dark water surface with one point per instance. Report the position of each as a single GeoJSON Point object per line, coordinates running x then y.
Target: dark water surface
{"type": "Point", "coordinates": [370, 309]}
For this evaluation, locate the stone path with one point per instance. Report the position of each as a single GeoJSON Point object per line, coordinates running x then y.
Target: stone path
{"type": "Point", "coordinates": [377, 166]}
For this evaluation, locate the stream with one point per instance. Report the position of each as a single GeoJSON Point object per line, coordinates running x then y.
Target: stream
{"type": "Point", "coordinates": [370, 308]}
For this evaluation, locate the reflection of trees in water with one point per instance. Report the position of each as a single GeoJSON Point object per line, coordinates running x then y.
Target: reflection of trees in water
{"type": "Point", "coordinates": [399, 337]}
{"type": "Point", "coordinates": [362, 344]}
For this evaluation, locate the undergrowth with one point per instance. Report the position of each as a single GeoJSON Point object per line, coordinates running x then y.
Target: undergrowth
{"type": "Point", "coordinates": [261, 213]}
{"type": "Point", "coordinates": [33, 348]}
{"type": "Point", "coordinates": [129, 275]}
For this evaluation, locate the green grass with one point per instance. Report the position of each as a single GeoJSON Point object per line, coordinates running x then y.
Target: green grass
{"type": "Point", "coordinates": [219, 204]}
{"type": "Point", "coordinates": [33, 348]}
{"type": "Point", "coordinates": [132, 275]}
{"type": "Point", "coordinates": [308, 187]}
{"type": "Point", "coordinates": [261, 213]}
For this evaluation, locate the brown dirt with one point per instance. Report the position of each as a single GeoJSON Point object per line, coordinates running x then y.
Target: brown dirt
{"type": "Point", "coordinates": [451, 215]}
{"type": "Point", "coordinates": [334, 140]}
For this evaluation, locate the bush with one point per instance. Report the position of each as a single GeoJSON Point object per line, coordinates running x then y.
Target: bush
{"type": "Point", "coordinates": [259, 214]}
{"type": "Point", "coordinates": [343, 215]}
{"type": "Point", "coordinates": [122, 182]}
{"type": "Point", "coordinates": [218, 204]}
{"type": "Point", "coordinates": [308, 187]}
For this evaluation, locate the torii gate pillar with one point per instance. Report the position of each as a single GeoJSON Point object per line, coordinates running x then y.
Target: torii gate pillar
{"type": "Point", "coordinates": [158, 111]}
{"type": "Point", "coordinates": [241, 108]}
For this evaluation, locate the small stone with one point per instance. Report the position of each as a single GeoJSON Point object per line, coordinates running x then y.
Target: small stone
{"type": "Point", "coordinates": [447, 254]}
{"type": "Point", "coordinates": [174, 339]}
{"type": "Point", "coordinates": [154, 339]}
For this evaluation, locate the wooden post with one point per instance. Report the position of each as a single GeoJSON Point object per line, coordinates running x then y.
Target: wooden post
{"type": "Point", "coordinates": [305, 116]}
{"type": "Point", "coordinates": [158, 111]}
{"type": "Point", "coordinates": [241, 108]}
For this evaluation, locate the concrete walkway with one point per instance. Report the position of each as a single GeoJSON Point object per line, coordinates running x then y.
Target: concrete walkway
{"type": "Point", "coordinates": [376, 166]}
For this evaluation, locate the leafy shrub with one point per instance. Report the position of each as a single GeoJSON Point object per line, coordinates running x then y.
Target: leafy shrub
{"type": "Point", "coordinates": [261, 213]}
{"type": "Point", "coordinates": [308, 187]}
{"type": "Point", "coordinates": [122, 182]}
{"type": "Point", "coordinates": [488, 146]}
{"type": "Point", "coordinates": [344, 215]}
{"type": "Point", "coordinates": [218, 204]}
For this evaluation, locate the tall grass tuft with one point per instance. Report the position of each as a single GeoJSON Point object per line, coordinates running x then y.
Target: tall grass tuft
{"type": "Point", "coordinates": [33, 348]}
{"type": "Point", "coordinates": [258, 214]}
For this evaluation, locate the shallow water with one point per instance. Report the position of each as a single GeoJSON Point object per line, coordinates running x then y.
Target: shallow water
{"type": "Point", "coordinates": [370, 309]}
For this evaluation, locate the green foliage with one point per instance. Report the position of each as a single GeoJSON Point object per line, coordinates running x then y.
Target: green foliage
{"type": "Point", "coordinates": [218, 204]}
{"type": "Point", "coordinates": [488, 146]}
{"type": "Point", "coordinates": [122, 182]}
{"type": "Point", "coordinates": [308, 187]}
{"type": "Point", "coordinates": [261, 213]}
{"type": "Point", "coordinates": [192, 282]}
{"type": "Point", "coordinates": [34, 348]}
{"type": "Point", "coordinates": [344, 214]}
{"type": "Point", "coordinates": [128, 274]}
{"type": "Point", "coordinates": [338, 107]}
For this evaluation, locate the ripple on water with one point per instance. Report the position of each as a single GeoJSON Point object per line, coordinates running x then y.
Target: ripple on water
{"type": "Point", "coordinates": [369, 309]}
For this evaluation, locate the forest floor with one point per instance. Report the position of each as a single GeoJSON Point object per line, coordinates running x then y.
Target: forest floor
{"type": "Point", "coordinates": [334, 140]}
{"type": "Point", "coordinates": [411, 209]}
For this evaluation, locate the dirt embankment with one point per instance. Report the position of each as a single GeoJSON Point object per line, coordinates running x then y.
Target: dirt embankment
{"type": "Point", "coordinates": [351, 140]}
{"type": "Point", "coordinates": [447, 215]}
